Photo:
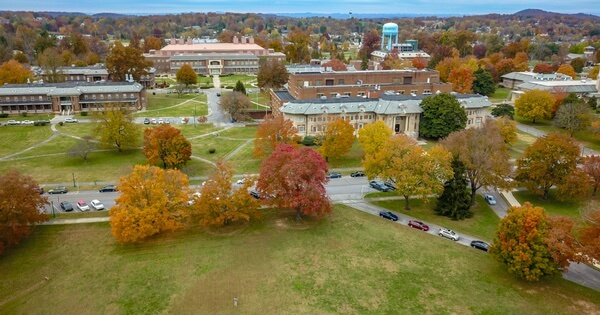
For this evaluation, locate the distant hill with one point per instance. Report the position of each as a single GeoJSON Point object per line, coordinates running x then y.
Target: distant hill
{"type": "Point", "coordinates": [538, 12]}
{"type": "Point", "coordinates": [54, 14]}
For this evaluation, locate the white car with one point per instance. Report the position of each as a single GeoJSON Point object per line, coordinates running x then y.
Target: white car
{"type": "Point", "coordinates": [96, 204]}
{"type": "Point", "coordinates": [195, 196]}
{"type": "Point", "coordinates": [160, 121]}
{"type": "Point", "coordinates": [70, 120]}
{"type": "Point", "coordinates": [27, 122]}
{"type": "Point", "coordinates": [82, 206]}
{"type": "Point", "coordinates": [448, 233]}
{"type": "Point", "coordinates": [490, 199]}
{"type": "Point", "coordinates": [241, 181]}
{"type": "Point", "coordinates": [13, 122]}
{"type": "Point", "coordinates": [153, 121]}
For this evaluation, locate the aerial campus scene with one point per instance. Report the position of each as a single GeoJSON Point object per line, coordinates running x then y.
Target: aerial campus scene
{"type": "Point", "coordinates": [247, 157]}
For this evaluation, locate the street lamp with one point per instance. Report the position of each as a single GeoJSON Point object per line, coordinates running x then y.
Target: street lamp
{"type": "Point", "coordinates": [194, 114]}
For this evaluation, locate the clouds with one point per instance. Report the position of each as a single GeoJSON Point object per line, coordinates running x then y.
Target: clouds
{"type": "Point", "coordinates": [431, 7]}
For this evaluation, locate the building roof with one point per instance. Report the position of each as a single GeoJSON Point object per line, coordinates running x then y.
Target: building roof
{"type": "Point", "coordinates": [212, 47]}
{"type": "Point", "coordinates": [571, 86]}
{"type": "Point", "coordinates": [213, 56]}
{"type": "Point", "coordinates": [69, 88]}
{"type": "Point", "coordinates": [284, 95]}
{"type": "Point", "coordinates": [385, 105]}
{"type": "Point", "coordinates": [531, 76]}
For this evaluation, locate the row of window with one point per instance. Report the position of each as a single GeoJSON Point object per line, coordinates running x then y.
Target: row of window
{"type": "Point", "coordinates": [474, 112]}
{"type": "Point", "coordinates": [332, 118]}
{"type": "Point", "coordinates": [108, 96]}
{"type": "Point", "coordinates": [24, 98]}
{"type": "Point", "coordinates": [362, 93]}
{"type": "Point", "coordinates": [406, 80]}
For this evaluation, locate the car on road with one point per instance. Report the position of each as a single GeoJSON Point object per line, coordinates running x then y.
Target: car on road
{"type": "Point", "coordinates": [97, 205]}
{"type": "Point", "coordinates": [334, 175]}
{"type": "Point", "coordinates": [13, 122]}
{"type": "Point", "coordinates": [481, 245]}
{"type": "Point", "coordinates": [388, 215]}
{"type": "Point", "coordinates": [241, 181]}
{"type": "Point", "coordinates": [66, 206]}
{"type": "Point", "coordinates": [70, 120]}
{"type": "Point", "coordinates": [418, 225]}
{"type": "Point", "coordinates": [109, 188]}
{"type": "Point", "coordinates": [167, 121]}
{"type": "Point", "coordinates": [58, 190]}
{"type": "Point", "coordinates": [390, 185]}
{"type": "Point", "coordinates": [43, 121]}
{"type": "Point", "coordinates": [41, 190]}
{"type": "Point", "coordinates": [82, 206]}
{"type": "Point", "coordinates": [218, 93]}
{"type": "Point", "coordinates": [490, 199]}
{"type": "Point", "coordinates": [448, 233]}
{"type": "Point", "coordinates": [379, 185]}
{"type": "Point", "coordinates": [357, 174]}
{"type": "Point", "coordinates": [27, 122]}
{"type": "Point", "coordinates": [195, 196]}
{"type": "Point", "coordinates": [161, 121]}
{"type": "Point", "coordinates": [255, 194]}
{"type": "Point", "coordinates": [146, 121]}
{"type": "Point", "coordinates": [153, 121]}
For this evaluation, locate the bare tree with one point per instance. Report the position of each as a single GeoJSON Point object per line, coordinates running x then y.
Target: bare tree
{"type": "Point", "coordinates": [82, 148]}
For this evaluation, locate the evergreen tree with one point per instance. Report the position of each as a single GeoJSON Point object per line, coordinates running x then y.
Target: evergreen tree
{"type": "Point", "coordinates": [239, 87]}
{"type": "Point", "coordinates": [455, 201]}
{"type": "Point", "coordinates": [484, 82]}
{"type": "Point", "coordinates": [593, 102]}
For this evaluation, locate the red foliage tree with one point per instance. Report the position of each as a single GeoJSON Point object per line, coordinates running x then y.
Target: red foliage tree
{"type": "Point", "coordinates": [419, 63]}
{"type": "Point", "coordinates": [591, 166]}
{"type": "Point", "coordinates": [294, 179]}
{"type": "Point", "coordinates": [336, 65]}
{"type": "Point", "coordinates": [543, 68]}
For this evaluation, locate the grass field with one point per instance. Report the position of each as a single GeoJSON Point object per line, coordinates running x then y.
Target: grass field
{"type": "Point", "coordinates": [586, 137]}
{"type": "Point", "coordinates": [500, 95]}
{"type": "Point", "coordinates": [552, 205]}
{"type": "Point", "coordinates": [348, 263]}
{"type": "Point", "coordinates": [17, 138]}
{"type": "Point", "coordinates": [231, 80]}
{"type": "Point", "coordinates": [172, 105]}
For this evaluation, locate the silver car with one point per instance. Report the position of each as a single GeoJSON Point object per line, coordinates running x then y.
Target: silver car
{"type": "Point", "coordinates": [448, 233]}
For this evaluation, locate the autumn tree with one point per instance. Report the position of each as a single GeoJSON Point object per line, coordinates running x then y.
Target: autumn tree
{"type": "Point", "coordinates": [455, 200]}
{"type": "Point", "coordinates": [116, 128]}
{"type": "Point", "coordinates": [505, 110]}
{"type": "Point", "coordinates": [462, 79]}
{"type": "Point", "coordinates": [295, 179]}
{"type": "Point", "coordinates": [593, 74]}
{"type": "Point", "coordinates": [122, 60]}
{"type": "Point", "coordinates": [151, 201]}
{"type": "Point", "coordinates": [552, 161]}
{"type": "Point", "coordinates": [543, 68]}
{"type": "Point", "coordinates": [52, 62]}
{"type": "Point", "coordinates": [534, 105]}
{"type": "Point", "coordinates": [372, 136]}
{"type": "Point", "coordinates": [82, 148]}
{"type": "Point", "coordinates": [151, 42]}
{"type": "Point", "coordinates": [335, 65]}
{"type": "Point", "coordinates": [297, 49]}
{"type": "Point", "coordinates": [484, 155]}
{"type": "Point", "coordinates": [567, 69]}
{"type": "Point", "coordinates": [573, 117]}
{"type": "Point", "coordinates": [484, 82]}
{"type": "Point", "coordinates": [578, 64]}
{"type": "Point", "coordinates": [416, 172]}
{"type": "Point", "coordinates": [272, 74]}
{"type": "Point", "coordinates": [12, 72]}
{"type": "Point", "coordinates": [508, 129]}
{"type": "Point", "coordinates": [338, 139]}
{"type": "Point", "coordinates": [589, 232]}
{"type": "Point", "coordinates": [526, 243]}
{"type": "Point", "coordinates": [220, 204]}
{"type": "Point", "coordinates": [419, 63]}
{"type": "Point", "coordinates": [442, 115]}
{"type": "Point", "coordinates": [392, 61]}
{"type": "Point", "coordinates": [166, 144]}
{"type": "Point", "coordinates": [234, 104]}
{"type": "Point", "coordinates": [591, 166]}
{"type": "Point", "coordinates": [271, 132]}
{"type": "Point", "coordinates": [371, 41]}
{"type": "Point", "coordinates": [20, 205]}
{"type": "Point", "coordinates": [186, 76]}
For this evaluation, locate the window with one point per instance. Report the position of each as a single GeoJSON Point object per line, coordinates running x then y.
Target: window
{"type": "Point", "coordinates": [85, 97]}
{"type": "Point", "coordinates": [361, 117]}
{"type": "Point", "coordinates": [24, 98]}
{"type": "Point", "coordinates": [301, 118]}
{"type": "Point", "coordinates": [332, 95]}
{"type": "Point", "coordinates": [301, 128]}
{"type": "Point", "coordinates": [340, 81]}
{"type": "Point", "coordinates": [413, 91]}
{"type": "Point", "coordinates": [319, 95]}
{"type": "Point", "coordinates": [360, 94]}
{"type": "Point", "coordinates": [426, 91]}
{"type": "Point", "coordinates": [401, 91]}
{"type": "Point", "coordinates": [299, 83]}
{"type": "Point", "coordinates": [109, 96]}
{"type": "Point", "coordinates": [41, 98]}
{"type": "Point", "coordinates": [32, 98]}
{"type": "Point", "coordinates": [94, 96]}
{"type": "Point", "coordinates": [469, 122]}
{"type": "Point", "coordinates": [318, 82]}
{"type": "Point", "coordinates": [101, 96]}
{"type": "Point", "coordinates": [348, 94]}
{"type": "Point", "coordinates": [396, 80]}
{"type": "Point", "coordinates": [478, 120]}
{"type": "Point", "coordinates": [328, 81]}
{"type": "Point", "coordinates": [407, 80]}
{"type": "Point", "coordinates": [124, 95]}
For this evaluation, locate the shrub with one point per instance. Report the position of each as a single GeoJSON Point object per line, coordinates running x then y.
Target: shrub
{"type": "Point", "coordinates": [211, 151]}
{"type": "Point", "coordinates": [3, 115]}
{"type": "Point", "coordinates": [61, 123]}
{"type": "Point", "coordinates": [308, 141]}
{"type": "Point", "coordinates": [24, 114]}
{"type": "Point", "coordinates": [84, 113]}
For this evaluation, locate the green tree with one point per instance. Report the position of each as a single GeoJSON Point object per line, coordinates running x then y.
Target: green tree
{"type": "Point", "coordinates": [503, 109]}
{"type": "Point", "coordinates": [455, 201]}
{"type": "Point", "coordinates": [186, 76]}
{"type": "Point", "coordinates": [573, 117]}
{"type": "Point", "coordinates": [592, 102]}
{"type": "Point", "coordinates": [337, 139]}
{"type": "Point", "coordinates": [552, 161]}
{"type": "Point", "coordinates": [272, 74]}
{"type": "Point", "coordinates": [484, 82]}
{"type": "Point", "coordinates": [442, 115]}
{"type": "Point", "coordinates": [166, 144]}
{"type": "Point", "coordinates": [578, 64]}
{"type": "Point", "coordinates": [239, 87]}
{"type": "Point", "coordinates": [534, 105]}
{"type": "Point", "coordinates": [122, 60]}
{"type": "Point", "coordinates": [372, 136]}
{"type": "Point", "coordinates": [116, 128]}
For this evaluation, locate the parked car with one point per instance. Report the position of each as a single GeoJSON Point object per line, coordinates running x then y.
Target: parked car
{"type": "Point", "coordinates": [41, 190]}
{"type": "Point", "coordinates": [161, 121]}
{"type": "Point", "coordinates": [153, 121]}
{"type": "Point", "coordinates": [66, 206]}
{"type": "Point", "coordinates": [70, 120]}
{"type": "Point", "coordinates": [357, 174]}
{"type": "Point", "coordinates": [334, 175]}
{"type": "Point", "coordinates": [167, 121]}
{"type": "Point", "coordinates": [82, 206]}
{"type": "Point", "coordinates": [379, 185]}
{"type": "Point", "coordinates": [109, 188]}
{"type": "Point", "coordinates": [43, 121]}
{"type": "Point", "coordinates": [481, 245]}
{"type": "Point", "coordinates": [58, 190]}
{"type": "Point", "coordinates": [490, 199]}
{"type": "Point", "coordinates": [241, 181]}
{"type": "Point", "coordinates": [96, 204]}
{"type": "Point", "coordinates": [255, 194]}
{"type": "Point", "coordinates": [390, 185]}
{"type": "Point", "coordinates": [448, 233]}
{"type": "Point", "coordinates": [146, 121]}
{"type": "Point", "coordinates": [388, 215]}
{"type": "Point", "coordinates": [218, 93]}
{"type": "Point", "coordinates": [418, 225]}
{"type": "Point", "coordinates": [27, 122]}
{"type": "Point", "coordinates": [195, 196]}
{"type": "Point", "coordinates": [13, 122]}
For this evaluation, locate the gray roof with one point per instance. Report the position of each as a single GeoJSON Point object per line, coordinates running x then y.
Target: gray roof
{"type": "Point", "coordinates": [184, 57]}
{"type": "Point", "coordinates": [589, 86]}
{"type": "Point", "coordinates": [69, 88]}
{"type": "Point", "coordinates": [386, 105]}
{"type": "Point", "coordinates": [284, 95]}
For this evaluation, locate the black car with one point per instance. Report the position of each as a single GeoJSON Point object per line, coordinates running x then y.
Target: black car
{"type": "Point", "coordinates": [146, 121]}
{"type": "Point", "coordinates": [255, 194]}
{"type": "Point", "coordinates": [379, 185]}
{"type": "Point", "coordinates": [218, 93]}
{"type": "Point", "coordinates": [58, 190]}
{"type": "Point", "coordinates": [357, 174]}
{"type": "Point", "coordinates": [388, 215]}
{"type": "Point", "coordinates": [109, 188]}
{"type": "Point", "coordinates": [66, 206]}
{"type": "Point", "coordinates": [334, 175]}
{"type": "Point", "coordinates": [481, 245]}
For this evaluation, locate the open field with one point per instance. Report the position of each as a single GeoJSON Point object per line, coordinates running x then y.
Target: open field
{"type": "Point", "coordinates": [173, 105]}
{"type": "Point", "coordinates": [500, 95]}
{"type": "Point", "coordinates": [348, 263]}
{"type": "Point", "coordinates": [231, 80]}
{"type": "Point", "coordinates": [552, 205]}
{"type": "Point", "coordinates": [586, 137]}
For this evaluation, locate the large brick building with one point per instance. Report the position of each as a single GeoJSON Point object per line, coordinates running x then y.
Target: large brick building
{"type": "Point", "coordinates": [95, 73]}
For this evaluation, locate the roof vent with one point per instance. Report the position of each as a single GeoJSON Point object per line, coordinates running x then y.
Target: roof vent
{"type": "Point", "coordinates": [323, 97]}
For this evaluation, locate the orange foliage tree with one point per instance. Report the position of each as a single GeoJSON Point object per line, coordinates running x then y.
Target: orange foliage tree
{"type": "Point", "coordinates": [589, 233]}
{"type": "Point", "coordinates": [220, 204]}
{"type": "Point", "coordinates": [567, 69]}
{"type": "Point", "coordinates": [20, 204]}
{"type": "Point", "coordinates": [295, 179]}
{"type": "Point", "coordinates": [272, 131]}
{"type": "Point", "coordinates": [166, 144]}
{"type": "Point", "coordinates": [152, 201]}
{"type": "Point", "coordinates": [543, 68]}
{"type": "Point", "coordinates": [336, 65]}
{"type": "Point", "coordinates": [591, 166]}
{"type": "Point", "coordinates": [462, 79]}
{"type": "Point", "coordinates": [531, 245]}
{"type": "Point", "coordinates": [419, 62]}
{"type": "Point", "coordinates": [12, 72]}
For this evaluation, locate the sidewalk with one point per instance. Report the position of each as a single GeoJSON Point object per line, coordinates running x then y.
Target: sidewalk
{"type": "Point", "coordinates": [76, 221]}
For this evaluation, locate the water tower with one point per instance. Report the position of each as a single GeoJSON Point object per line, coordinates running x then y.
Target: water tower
{"type": "Point", "coordinates": [390, 32]}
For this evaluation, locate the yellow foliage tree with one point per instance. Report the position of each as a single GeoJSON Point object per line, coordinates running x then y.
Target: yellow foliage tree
{"type": "Point", "coordinates": [12, 72]}
{"type": "Point", "coordinates": [535, 104]}
{"type": "Point", "coordinates": [338, 139]}
{"type": "Point", "coordinates": [508, 129]}
{"type": "Point", "coordinates": [372, 136]}
{"type": "Point", "coordinates": [152, 201]}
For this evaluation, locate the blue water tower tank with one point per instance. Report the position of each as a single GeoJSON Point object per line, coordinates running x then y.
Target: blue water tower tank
{"type": "Point", "coordinates": [390, 33]}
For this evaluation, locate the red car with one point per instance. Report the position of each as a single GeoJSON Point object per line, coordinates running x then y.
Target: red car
{"type": "Point", "coordinates": [418, 225]}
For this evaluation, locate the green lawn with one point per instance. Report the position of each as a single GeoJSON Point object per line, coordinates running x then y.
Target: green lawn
{"type": "Point", "coordinates": [483, 224]}
{"type": "Point", "coordinates": [552, 205]}
{"type": "Point", "coordinates": [231, 80]}
{"type": "Point", "coordinates": [348, 263]}
{"type": "Point", "coordinates": [500, 95]}
{"type": "Point", "coordinates": [18, 138]}
{"type": "Point", "coordinates": [172, 105]}
{"type": "Point", "coordinates": [523, 141]}
{"type": "Point", "coordinates": [586, 137]}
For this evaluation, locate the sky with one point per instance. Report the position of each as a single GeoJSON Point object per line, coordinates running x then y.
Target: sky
{"type": "Point", "coordinates": [411, 7]}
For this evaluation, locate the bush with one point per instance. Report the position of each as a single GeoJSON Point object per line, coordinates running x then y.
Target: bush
{"type": "Point", "coordinates": [84, 113]}
{"type": "Point", "coordinates": [308, 141]}
{"type": "Point", "coordinates": [24, 114]}
{"type": "Point", "coordinates": [61, 123]}
{"type": "Point", "coordinates": [3, 115]}
{"type": "Point", "coordinates": [211, 151]}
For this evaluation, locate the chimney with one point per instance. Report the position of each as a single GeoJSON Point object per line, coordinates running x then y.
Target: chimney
{"type": "Point", "coordinates": [180, 41]}
{"type": "Point", "coordinates": [190, 41]}
{"type": "Point", "coordinates": [251, 40]}
{"type": "Point", "coordinates": [235, 40]}
{"type": "Point", "coordinates": [374, 94]}
{"type": "Point", "coordinates": [173, 41]}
